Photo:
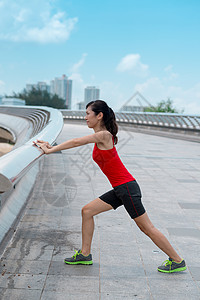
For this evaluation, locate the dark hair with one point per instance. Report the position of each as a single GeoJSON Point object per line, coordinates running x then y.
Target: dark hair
{"type": "Point", "coordinates": [109, 119]}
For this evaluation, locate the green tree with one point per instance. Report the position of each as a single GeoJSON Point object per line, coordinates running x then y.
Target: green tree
{"type": "Point", "coordinates": [165, 106]}
{"type": "Point", "coordinates": [38, 97]}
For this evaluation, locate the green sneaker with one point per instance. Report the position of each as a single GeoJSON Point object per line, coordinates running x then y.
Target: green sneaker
{"type": "Point", "coordinates": [79, 259]}
{"type": "Point", "coordinates": [170, 266]}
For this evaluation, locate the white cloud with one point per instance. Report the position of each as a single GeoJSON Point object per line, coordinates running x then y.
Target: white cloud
{"type": "Point", "coordinates": [57, 29]}
{"type": "Point", "coordinates": [132, 62]}
{"type": "Point", "coordinates": [78, 81]}
{"type": "Point", "coordinates": [34, 21]}
{"type": "Point", "coordinates": [112, 94]}
{"type": "Point", "coordinates": [22, 15]}
{"type": "Point", "coordinates": [168, 68]}
{"type": "Point", "coordinates": [75, 68]}
{"type": "Point", "coordinates": [150, 83]}
{"type": "Point", "coordinates": [171, 75]}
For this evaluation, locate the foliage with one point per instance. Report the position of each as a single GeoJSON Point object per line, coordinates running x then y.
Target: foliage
{"type": "Point", "coordinates": [38, 97]}
{"type": "Point", "coordinates": [163, 106]}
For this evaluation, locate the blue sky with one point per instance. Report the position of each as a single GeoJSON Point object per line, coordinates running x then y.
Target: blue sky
{"type": "Point", "coordinates": [150, 46]}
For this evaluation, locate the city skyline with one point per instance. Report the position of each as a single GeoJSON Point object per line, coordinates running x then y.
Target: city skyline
{"type": "Point", "coordinates": [60, 86]}
{"type": "Point", "coordinates": [122, 47]}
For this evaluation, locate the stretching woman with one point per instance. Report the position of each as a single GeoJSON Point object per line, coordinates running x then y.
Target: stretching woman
{"type": "Point", "coordinates": [126, 191]}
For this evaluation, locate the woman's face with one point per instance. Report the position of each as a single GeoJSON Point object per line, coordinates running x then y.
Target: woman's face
{"type": "Point", "coordinates": [91, 118]}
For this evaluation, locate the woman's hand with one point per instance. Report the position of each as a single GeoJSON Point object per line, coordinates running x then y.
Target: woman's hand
{"type": "Point", "coordinates": [43, 142]}
{"type": "Point", "coordinates": [45, 146]}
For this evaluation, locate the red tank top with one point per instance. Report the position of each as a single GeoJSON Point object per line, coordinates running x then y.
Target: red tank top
{"type": "Point", "coordinates": [111, 165]}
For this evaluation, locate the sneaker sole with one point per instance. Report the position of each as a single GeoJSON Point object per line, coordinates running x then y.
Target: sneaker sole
{"type": "Point", "coordinates": [173, 271]}
{"type": "Point", "coordinates": [90, 262]}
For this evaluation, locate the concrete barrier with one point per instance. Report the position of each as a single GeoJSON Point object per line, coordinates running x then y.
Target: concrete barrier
{"type": "Point", "coordinates": [19, 167]}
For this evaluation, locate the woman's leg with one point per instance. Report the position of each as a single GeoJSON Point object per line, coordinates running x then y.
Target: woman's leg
{"type": "Point", "coordinates": [88, 212]}
{"type": "Point", "coordinates": [145, 225]}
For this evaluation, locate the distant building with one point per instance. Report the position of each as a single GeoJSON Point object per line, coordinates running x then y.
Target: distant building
{"type": "Point", "coordinates": [81, 105]}
{"type": "Point", "coordinates": [13, 101]}
{"type": "Point", "coordinates": [91, 93]}
{"type": "Point", "coordinates": [29, 87]}
{"type": "Point", "coordinates": [43, 86]}
{"type": "Point", "coordinates": [40, 85]}
{"type": "Point", "coordinates": [1, 99]}
{"type": "Point", "coordinates": [62, 87]}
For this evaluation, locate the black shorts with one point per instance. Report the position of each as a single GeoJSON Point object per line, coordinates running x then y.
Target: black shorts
{"type": "Point", "coordinates": [127, 194]}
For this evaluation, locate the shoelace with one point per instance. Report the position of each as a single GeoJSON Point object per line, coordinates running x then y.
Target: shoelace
{"type": "Point", "coordinates": [167, 262]}
{"type": "Point", "coordinates": [76, 253]}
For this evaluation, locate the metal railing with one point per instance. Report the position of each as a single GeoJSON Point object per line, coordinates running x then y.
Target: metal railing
{"type": "Point", "coordinates": [165, 120]}
{"type": "Point", "coordinates": [47, 124]}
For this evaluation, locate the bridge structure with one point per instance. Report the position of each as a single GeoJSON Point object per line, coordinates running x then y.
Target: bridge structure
{"type": "Point", "coordinates": [42, 195]}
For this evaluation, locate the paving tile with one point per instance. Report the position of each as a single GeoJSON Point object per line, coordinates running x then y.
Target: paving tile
{"type": "Point", "coordinates": [124, 284]}
{"type": "Point", "coordinates": [195, 272]}
{"type": "Point", "coordinates": [21, 294]}
{"type": "Point", "coordinates": [167, 295]}
{"type": "Point", "coordinates": [189, 205]}
{"type": "Point", "coordinates": [188, 180]}
{"type": "Point", "coordinates": [25, 281]}
{"type": "Point", "coordinates": [75, 284]}
{"type": "Point", "coordinates": [122, 271]}
{"type": "Point", "coordinates": [32, 253]}
{"type": "Point", "coordinates": [52, 295]}
{"type": "Point", "coordinates": [190, 232]}
{"type": "Point", "coordinates": [23, 267]}
{"type": "Point", "coordinates": [177, 285]}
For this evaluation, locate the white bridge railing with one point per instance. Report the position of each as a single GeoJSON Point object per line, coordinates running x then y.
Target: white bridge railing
{"type": "Point", "coordinates": [19, 167]}
{"type": "Point", "coordinates": [46, 124]}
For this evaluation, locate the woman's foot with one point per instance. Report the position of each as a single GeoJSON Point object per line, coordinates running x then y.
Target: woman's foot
{"type": "Point", "coordinates": [79, 259]}
{"type": "Point", "coordinates": [170, 266]}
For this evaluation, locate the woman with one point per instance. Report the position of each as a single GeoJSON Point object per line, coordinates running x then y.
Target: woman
{"type": "Point", "coordinates": [126, 191]}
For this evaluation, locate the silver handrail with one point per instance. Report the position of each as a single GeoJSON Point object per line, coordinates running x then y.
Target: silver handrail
{"type": "Point", "coordinates": [166, 120]}
{"type": "Point", "coordinates": [16, 163]}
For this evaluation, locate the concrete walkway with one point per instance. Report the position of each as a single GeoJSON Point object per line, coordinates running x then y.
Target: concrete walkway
{"type": "Point", "coordinates": [125, 260]}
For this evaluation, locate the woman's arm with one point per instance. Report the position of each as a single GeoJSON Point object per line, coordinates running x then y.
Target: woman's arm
{"type": "Point", "coordinates": [98, 137]}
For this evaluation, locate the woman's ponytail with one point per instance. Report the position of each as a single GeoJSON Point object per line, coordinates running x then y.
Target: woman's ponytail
{"type": "Point", "coordinates": [111, 125]}
{"type": "Point", "coordinates": [108, 116]}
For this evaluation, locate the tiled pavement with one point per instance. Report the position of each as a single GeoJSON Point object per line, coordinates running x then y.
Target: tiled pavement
{"type": "Point", "coordinates": [125, 260]}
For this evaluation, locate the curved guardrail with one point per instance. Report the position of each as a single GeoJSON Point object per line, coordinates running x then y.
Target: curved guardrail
{"type": "Point", "coordinates": [19, 168]}
{"type": "Point", "coordinates": [178, 121]}
{"type": "Point", "coordinates": [38, 117]}
{"type": "Point", "coordinates": [46, 125]}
